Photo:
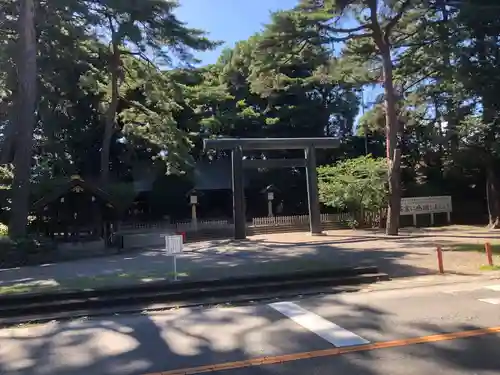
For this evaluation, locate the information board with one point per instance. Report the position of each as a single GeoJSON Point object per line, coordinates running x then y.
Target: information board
{"type": "Point", "coordinates": [174, 246]}
{"type": "Point", "coordinates": [426, 205]}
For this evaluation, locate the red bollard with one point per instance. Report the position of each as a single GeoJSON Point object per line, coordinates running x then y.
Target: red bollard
{"type": "Point", "coordinates": [439, 252]}
{"type": "Point", "coordinates": [489, 255]}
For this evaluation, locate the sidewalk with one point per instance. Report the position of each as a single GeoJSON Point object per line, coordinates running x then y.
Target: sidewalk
{"type": "Point", "coordinates": [411, 254]}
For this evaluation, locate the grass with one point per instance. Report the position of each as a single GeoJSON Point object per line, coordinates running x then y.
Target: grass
{"type": "Point", "coordinates": [25, 288]}
{"type": "Point", "coordinates": [127, 279]}
{"type": "Point", "coordinates": [489, 268]}
{"type": "Point", "coordinates": [85, 283]}
{"type": "Point", "coordinates": [479, 248]}
{"type": "Point", "coordinates": [495, 248]}
{"type": "Point", "coordinates": [245, 268]}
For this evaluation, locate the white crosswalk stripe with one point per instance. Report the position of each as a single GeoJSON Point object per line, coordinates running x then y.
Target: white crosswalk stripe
{"type": "Point", "coordinates": [492, 301]}
{"type": "Point", "coordinates": [325, 329]}
{"type": "Point", "coordinates": [495, 288]}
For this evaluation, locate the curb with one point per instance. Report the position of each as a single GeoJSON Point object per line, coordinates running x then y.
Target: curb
{"type": "Point", "coordinates": [20, 311]}
{"type": "Point", "coordinates": [162, 307]}
{"type": "Point", "coordinates": [173, 286]}
{"type": "Point", "coordinates": [416, 282]}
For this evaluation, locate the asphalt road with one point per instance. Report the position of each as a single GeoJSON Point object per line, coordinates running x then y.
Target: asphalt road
{"type": "Point", "coordinates": [390, 332]}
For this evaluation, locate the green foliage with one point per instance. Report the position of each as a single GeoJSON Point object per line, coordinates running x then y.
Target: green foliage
{"type": "Point", "coordinates": [372, 121]}
{"type": "Point", "coordinates": [301, 77]}
{"type": "Point", "coordinates": [6, 175]}
{"type": "Point", "coordinates": [4, 230]}
{"type": "Point", "coordinates": [356, 184]}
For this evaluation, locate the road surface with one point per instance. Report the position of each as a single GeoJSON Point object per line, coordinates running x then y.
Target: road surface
{"type": "Point", "coordinates": [447, 329]}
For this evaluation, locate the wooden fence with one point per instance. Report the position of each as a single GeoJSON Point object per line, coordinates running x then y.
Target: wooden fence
{"type": "Point", "coordinates": [146, 226]}
{"type": "Point", "coordinates": [295, 221]}
{"type": "Point", "coordinates": [299, 220]}
{"type": "Point", "coordinates": [298, 223]}
{"type": "Point", "coordinates": [220, 229]}
{"type": "Point", "coordinates": [178, 226]}
{"type": "Point", "coordinates": [187, 226]}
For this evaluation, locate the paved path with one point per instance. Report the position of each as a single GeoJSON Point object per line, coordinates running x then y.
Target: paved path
{"type": "Point", "coordinates": [413, 253]}
{"type": "Point", "coordinates": [303, 336]}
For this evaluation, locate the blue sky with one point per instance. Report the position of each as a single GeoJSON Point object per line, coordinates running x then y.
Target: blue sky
{"type": "Point", "coordinates": [228, 20]}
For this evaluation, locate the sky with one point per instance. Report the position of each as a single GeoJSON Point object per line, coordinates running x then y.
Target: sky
{"type": "Point", "coordinates": [228, 20]}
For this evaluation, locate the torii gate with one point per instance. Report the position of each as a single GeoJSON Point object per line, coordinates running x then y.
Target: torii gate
{"type": "Point", "coordinates": [238, 145]}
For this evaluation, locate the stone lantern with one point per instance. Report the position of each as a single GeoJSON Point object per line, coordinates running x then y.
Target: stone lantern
{"type": "Point", "coordinates": [270, 192]}
{"type": "Point", "coordinates": [193, 202]}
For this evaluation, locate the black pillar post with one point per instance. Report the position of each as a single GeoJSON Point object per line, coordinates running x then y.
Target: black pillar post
{"type": "Point", "coordinates": [312, 191]}
{"type": "Point", "coordinates": [238, 194]}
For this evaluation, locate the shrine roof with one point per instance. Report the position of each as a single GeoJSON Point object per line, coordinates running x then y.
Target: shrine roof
{"type": "Point", "coordinates": [70, 185]}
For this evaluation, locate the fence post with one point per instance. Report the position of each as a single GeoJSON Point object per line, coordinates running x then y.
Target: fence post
{"type": "Point", "coordinates": [489, 255]}
{"type": "Point", "coordinates": [439, 252]}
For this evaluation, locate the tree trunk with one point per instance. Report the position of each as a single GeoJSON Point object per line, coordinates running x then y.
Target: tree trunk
{"type": "Point", "coordinates": [493, 197]}
{"type": "Point", "coordinates": [451, 109]}
{"type": "Point", "coordinates": [27, 71]}
{"type": "Point", "coordinates": [10, 112]}
{"type": "Point", "coordinates": [393, 153]}
{"type": "Point", "coordinates": [489, 118]}
{"type": "Point", "coordinates": [109, 125]}
{"type": "Point", "coordinates": [8, 144]}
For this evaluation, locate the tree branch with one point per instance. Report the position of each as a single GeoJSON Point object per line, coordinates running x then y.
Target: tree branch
{"type": "Point", "coordinates": [301, 48]}
{"type": "Point", "coordinates": [377, 32]}
{"type": "Point", "coordinates": [393, 21]}
{"type": "Point", "coordinates": [419, 44]}
{"type": "Point", "coordinates": [351, 30]}
{"type": "Point", "coordinates": [413, 84]}
{"type": "Point", "coordinates": [111, 26]}
{"type": "Point", "coordinates": [141, 55]}
{"type": "Point", "coordinates": [402, 36]}
{"type": "Point", "coordinates": [351, 37]}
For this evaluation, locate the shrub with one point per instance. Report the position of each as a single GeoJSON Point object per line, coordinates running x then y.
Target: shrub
{"type": "Point", "coordinates": [31, 245]}
{"type": "Point", "coordinates": [4, 230]}
{"type": "Point", "coordinates": [358, 185]}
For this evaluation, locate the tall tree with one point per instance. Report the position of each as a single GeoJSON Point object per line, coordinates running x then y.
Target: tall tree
{"type": "Point", "coordinates": [296, 70]}
{"type": "Point", "coordinates": [377, 20]}
{"type": "Point", "coordinates": [26, 107]}
{"type": "Point", "coordinates": [146, 29]}
{"type": "Point", "coordinates": [478, 67]}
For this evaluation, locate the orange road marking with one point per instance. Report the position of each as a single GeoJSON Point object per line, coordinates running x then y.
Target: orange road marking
{"type": "Point", "coordinates": [329, 352]}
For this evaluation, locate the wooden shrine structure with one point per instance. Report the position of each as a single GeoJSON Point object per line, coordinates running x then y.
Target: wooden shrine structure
{"type": "Point", "coordinates": [76, 211]}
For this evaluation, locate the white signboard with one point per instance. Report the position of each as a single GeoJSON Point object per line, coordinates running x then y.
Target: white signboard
{"type": "Point", "coordinates": [173, 245]}
{"type": "Point", "coordinates": [426, 205]}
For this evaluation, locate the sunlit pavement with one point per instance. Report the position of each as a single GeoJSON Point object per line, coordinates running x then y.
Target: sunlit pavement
{"type": "Point", "coordinates": [378, 332]}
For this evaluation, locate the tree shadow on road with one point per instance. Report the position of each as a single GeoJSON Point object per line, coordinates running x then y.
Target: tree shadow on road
{"type": "Point", "coordinates": [186, 338]}
{"type": "Point", "coordinates": [135, 345]}
{"type": "Point", "coordinates": [145, 344]}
